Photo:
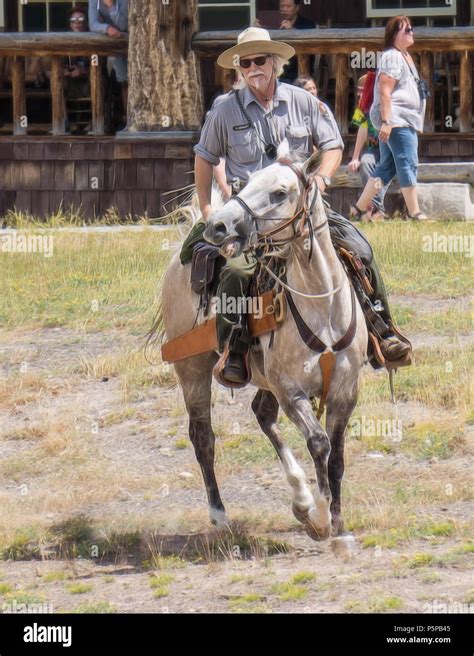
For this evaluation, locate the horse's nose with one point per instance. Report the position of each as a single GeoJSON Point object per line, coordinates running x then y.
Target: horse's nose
{"type": "Point", "coordinates": [218, 232]}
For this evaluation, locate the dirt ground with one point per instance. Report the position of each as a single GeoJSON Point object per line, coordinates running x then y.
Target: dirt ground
{"type": "Point", "coordinates": [155, 484]}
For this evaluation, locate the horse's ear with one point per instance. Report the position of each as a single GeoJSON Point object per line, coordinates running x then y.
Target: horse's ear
{"type": "Point", "coordinates": [283, 150]}
{"type": "Point", "coordinates": [312, 163]}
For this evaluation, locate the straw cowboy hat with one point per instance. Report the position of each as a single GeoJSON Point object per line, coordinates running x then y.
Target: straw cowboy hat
{"type": "Point", "coordinates": [254, 40]}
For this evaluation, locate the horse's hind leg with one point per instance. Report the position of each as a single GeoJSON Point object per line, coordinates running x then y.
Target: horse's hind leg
{"type": "Point", "coordinates": [265, 407]}
{"type": "Point", "coordinates": [195, 376]}
{"type": "Point", "coordinates": [338, 415]}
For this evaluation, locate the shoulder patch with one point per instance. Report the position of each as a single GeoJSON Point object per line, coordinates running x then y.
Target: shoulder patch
{"type": "Point", "coordinates": [323, 109]}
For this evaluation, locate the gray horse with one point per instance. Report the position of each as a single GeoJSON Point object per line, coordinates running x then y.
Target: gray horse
{"type": "Point", "coordinates": [287, 375]}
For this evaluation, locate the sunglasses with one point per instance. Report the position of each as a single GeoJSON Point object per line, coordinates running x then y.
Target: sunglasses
{"type": "Point", "coordinates": [407, 30]}
{"type": "Point", "coordinates": [81, 19]}
{"type": "Point", "coordinates": [258, 61]}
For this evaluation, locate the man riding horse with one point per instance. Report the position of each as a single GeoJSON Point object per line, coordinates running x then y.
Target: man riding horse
{"type": "Point", "coordinates": [245, 128]}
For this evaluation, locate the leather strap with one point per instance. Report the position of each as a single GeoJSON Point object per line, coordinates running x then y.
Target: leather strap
{"type": "Point", "coordinates": [311, 340]}
{"type": "Point", "coordinates": [327, 359]}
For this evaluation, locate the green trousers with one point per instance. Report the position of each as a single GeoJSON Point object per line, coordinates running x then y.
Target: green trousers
{"type": "Point", "coordinates": [238, 271]}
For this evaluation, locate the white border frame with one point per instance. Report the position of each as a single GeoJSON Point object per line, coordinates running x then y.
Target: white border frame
{"type": "Point", "coordinates": [429, 12]}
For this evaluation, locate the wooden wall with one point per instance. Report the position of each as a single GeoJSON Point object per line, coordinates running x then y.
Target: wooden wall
{"type": "Point", "coordinates": [39, 174]}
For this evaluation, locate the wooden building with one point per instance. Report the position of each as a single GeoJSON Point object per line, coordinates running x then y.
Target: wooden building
{"type": "Point", "coordinates": [44, 167]}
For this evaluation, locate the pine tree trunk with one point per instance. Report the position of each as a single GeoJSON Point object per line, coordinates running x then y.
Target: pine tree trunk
{"type": "Point", "coordinates": [165, 90]}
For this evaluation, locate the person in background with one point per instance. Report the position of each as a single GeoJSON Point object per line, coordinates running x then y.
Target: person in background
{"type": "Point", "coordinates": [110, 17]}
{"type": "Point", "coordinates": [292, 20]}
{"type": "Point", "coordinates": [368, 139]}
{"type": "Point", "coordinates": [308, 84]}
{"type": "Point", "coordinates": [398, 113]}
{"type": "Point", "coordinates": [77, 68]}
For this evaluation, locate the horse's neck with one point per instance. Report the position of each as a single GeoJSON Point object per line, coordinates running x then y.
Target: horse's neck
{"type": "Point", "coordinates": [324, 275]}
{"type": "Point", "coordinates": [319, 274]}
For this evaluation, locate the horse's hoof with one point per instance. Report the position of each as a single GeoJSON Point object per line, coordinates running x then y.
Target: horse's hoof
{"type": "Point", "coordinates": [317, 535]}
{"type": "Point", "coordinates": [301, 515]}
{"type": "Point", "coordinates": [219, 518]}
{"type": "Point", "coordinates": [344, 546]}
{"type": "Point", "coordinates": [320, 516]}
{"type": "Point", "coordinates": [316, 522]}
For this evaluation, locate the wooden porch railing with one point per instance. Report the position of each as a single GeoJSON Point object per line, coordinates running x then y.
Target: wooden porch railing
{"type": "Point", "coordinates": [19, 45]}
{"type": "Point", "coordinates": [343, 43]}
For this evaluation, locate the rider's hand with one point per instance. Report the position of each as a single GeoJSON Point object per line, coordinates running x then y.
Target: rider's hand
{"type": "Point", "coordinates": [385, 132]}
{"type": "Point", "coordinates": [205, 211]}
{"type": "Point", "coordinates": [286, 25]}
{"type": "Point", "coordinates": [353, 165]}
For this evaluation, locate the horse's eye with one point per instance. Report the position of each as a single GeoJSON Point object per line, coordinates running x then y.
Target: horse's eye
{"type": "Point", "coordinates": [278, 196]}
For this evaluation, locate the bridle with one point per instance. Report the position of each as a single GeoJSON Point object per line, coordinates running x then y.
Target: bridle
{"type": "Point", "coordinates": [303, 213]}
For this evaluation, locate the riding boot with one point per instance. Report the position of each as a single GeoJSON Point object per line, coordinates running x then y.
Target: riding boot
{"type": "Point", "coordinates": [232, 369]}
{"type": "Point", "coordinates": [387, 346]}
{"type": "Point", "coordinates": [395, 348]}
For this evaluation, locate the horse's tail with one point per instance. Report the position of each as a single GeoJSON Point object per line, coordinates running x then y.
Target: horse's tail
{"type": "Point", "coordinates": [154, 336]}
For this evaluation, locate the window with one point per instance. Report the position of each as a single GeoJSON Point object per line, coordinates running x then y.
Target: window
{"type": "Point", "coordinates": [44, 15]}
{"type": "Point", "coordinates": [226, 14]}
{"type": "Point", "coordinates": [386, 8]}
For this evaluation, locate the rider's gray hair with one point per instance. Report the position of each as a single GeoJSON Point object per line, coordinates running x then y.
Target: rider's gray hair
{"type": "Point", "coordinates": [278, 65]}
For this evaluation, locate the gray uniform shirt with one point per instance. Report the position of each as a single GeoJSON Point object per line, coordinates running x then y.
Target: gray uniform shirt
{"type": "Point", "coordinates": [408, 110]}
{"type": "Point", "coordinates": [297, 115]}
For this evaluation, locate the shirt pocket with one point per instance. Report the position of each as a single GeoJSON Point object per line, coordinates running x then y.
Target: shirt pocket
{"type": "Point", "coordinates": [243, 147]}
{"type": "Point", "coordinates": [298, 138]}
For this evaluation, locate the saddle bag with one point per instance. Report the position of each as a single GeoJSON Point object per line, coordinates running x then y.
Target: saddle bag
{"type": "Point", "coordinates": [205, 267]}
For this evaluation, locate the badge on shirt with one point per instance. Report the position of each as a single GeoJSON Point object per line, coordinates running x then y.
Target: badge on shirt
{"type": "Point", "coordinates": [239, 128]}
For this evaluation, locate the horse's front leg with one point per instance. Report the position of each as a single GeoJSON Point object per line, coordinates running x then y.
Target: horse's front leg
{"type": "Point", "coordinates": [337, 418]}
{"type": "Point", "coordinates": [317, 518]}
{"type": "Point", "coordinates": [265, 407]}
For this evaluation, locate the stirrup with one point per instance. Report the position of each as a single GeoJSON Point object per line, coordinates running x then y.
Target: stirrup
{"type": "Point", "coordinates": [236, 344]}
{"type": "Point", "coordinates": [219, 370]}
{"type": "Point", "coordinates": [376, 357]}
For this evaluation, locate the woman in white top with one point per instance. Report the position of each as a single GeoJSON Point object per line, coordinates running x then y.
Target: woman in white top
{"type": "Point", "coordinates": [398, 113]}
